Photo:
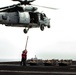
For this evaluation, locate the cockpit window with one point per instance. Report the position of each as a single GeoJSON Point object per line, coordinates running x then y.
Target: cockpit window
{"type": "Point", "coordinates": [44, 15]}
{"type": "Point", "coordinates": [41, 15]}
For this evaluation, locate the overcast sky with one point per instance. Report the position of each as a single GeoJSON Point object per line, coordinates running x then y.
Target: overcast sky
{"type": "Point", "coordinates": [58, 42]}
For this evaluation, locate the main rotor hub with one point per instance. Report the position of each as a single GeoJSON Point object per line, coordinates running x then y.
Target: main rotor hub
{"type": "Point", "coordinates": [25, 2]}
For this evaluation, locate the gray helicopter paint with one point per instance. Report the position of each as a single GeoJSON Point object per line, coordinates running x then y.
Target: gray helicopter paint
{"type": "Point", "coordinates": [14, 18]}
{"type": "Point", "coordinates": [45, 22]}
{"type": "Point", "coordinates": [8, 18]}
{"type": "Point", "coordinates": [21, 19]}
{"type": "Point", "coordinates": [24, 18]}
{"type": "Point", "coordinates": [28, 8]}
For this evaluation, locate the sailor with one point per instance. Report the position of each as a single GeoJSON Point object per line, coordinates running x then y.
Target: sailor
{"type": "Point", "coordinates": [24, 57]}
{"type": "Point", "coordinates": [25, 51]}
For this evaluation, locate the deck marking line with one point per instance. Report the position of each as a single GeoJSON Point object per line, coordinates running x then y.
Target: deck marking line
{"type": "Point", "coordinates": [39, 72]}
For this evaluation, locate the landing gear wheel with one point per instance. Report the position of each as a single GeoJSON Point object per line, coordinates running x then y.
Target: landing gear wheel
{"type": "Point", "coordinates": [42, 27]}
{"type": "Point", "coordinates": [25, 31]}
{"type": "Point", "coordinates": [48, 26]}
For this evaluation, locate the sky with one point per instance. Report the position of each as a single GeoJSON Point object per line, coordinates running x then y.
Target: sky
{"type": "Point", "coordinates": [58, 42]}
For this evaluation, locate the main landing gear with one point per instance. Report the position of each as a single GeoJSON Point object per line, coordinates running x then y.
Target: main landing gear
{"type": "Point", "coordinates": [42, 27]}
{"type": "Point", "coordinates": [25, 30]}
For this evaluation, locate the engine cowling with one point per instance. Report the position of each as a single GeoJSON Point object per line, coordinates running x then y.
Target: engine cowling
{"type": "Point", "coordinates": [30, 8]}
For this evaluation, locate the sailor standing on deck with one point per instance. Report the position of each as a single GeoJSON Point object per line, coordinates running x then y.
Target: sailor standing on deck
{"type": "Point", "coordinates": [24, 57]}
{"type": "Point", "coordinates": [25, 51]}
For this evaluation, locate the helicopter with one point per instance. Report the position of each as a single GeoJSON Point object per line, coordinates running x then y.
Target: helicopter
{"type": "Point", "coordinates": [23, 15]}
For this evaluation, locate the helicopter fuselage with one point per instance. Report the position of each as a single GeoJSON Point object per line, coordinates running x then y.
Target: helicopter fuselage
{"type": "Point", "coordinates": [23, 15]}
{"type": "Point", "coordinates": [23, 19]}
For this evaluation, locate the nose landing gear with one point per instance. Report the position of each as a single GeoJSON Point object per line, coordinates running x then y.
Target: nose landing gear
{"type": "Point", "coordinates": [48, 26]}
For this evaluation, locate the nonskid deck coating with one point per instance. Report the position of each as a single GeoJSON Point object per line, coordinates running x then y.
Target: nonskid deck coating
{"type": "Point", "coordinates": [16, 69]}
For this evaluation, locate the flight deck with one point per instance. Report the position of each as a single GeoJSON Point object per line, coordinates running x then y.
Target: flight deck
{"type": "Point", "coordinates": [14, 68]}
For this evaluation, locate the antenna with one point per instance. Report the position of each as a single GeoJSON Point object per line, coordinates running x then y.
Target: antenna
{"type": "Point", "coordinates": [26, 42]}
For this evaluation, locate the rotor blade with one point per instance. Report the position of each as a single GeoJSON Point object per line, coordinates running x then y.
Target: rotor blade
{"type": "Point", "coordinates": [7, 7]}
{"type": "Point", "coordinates": [10, 6]}
{"type": "Point", "coordinates": [24, 0]}
{"type": "Point", "coordinates": [15, 0]}
{"type": "Point", "coordinates": [45, 7]}
{"type": "Point", "coordinates": [12, 9]}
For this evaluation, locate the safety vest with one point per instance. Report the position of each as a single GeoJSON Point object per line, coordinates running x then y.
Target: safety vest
{"type": "Point", "coordinates": [23, 55]}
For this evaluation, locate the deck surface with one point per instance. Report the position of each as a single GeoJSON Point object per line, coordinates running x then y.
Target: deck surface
{"type": "Point", "coordinates": [16, 69]}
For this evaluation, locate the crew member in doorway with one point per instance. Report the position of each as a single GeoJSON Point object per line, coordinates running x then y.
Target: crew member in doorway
{"type": "Point", "coordinates": [24, 57]}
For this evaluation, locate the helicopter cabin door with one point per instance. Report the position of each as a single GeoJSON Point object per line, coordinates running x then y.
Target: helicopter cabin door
{"type": "Point", "coordinates": [33, 17]}
{"type": "Point", "coordinates": [24, 18]}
